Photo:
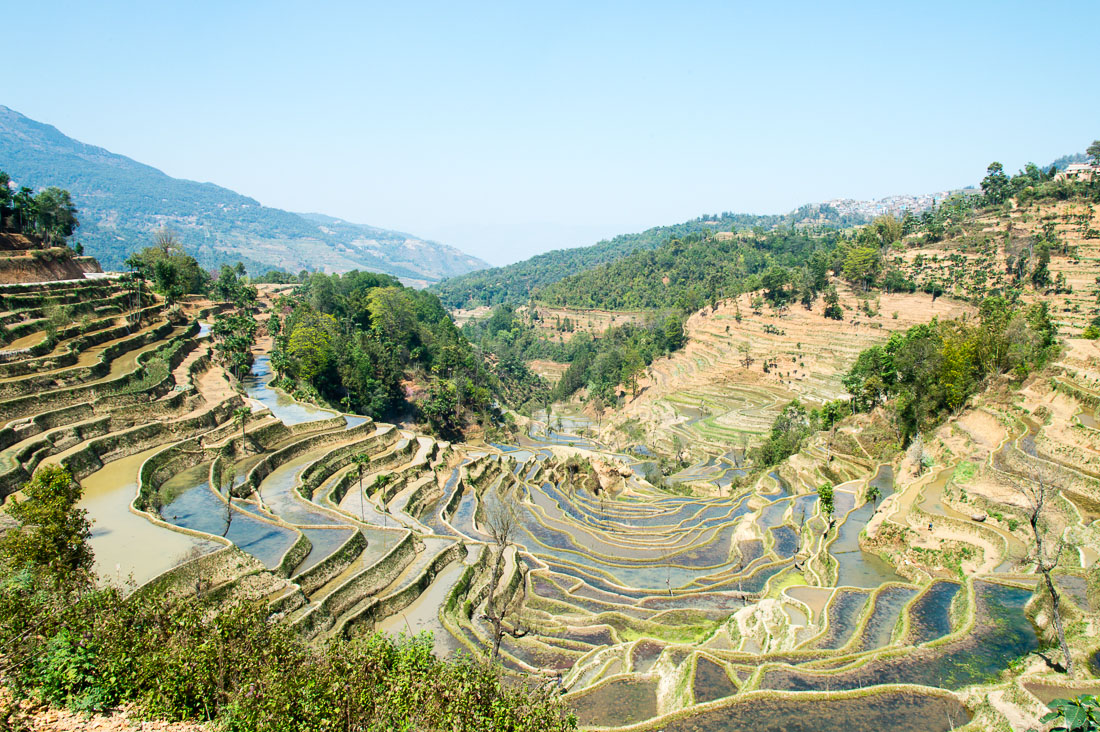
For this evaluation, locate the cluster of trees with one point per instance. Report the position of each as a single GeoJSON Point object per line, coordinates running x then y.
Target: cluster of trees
{"type": "Point", "coordinates": [933, 369]}
{"type": "Point", "coordinates": [70, 642]}
{"type": "Point", "coordinates": [788, 266]}
{"type": "Point", "coordinates": [1035, 182]}
{"type": "Point", "coordinates": [234, 331]}
{"type": "Point", "coordinates": [173, 272]}
{"type": "Point", "coordinates": [516, 283]}
{"type": "Point", "coordinates": [791, 428]}
{"type": "Point", "coordinates": [925, 373]}
{"type": "Point", "coordinates": [49, 214]}
{"type": "Point", "coordinates": [617, 356]}
{"type": "Point", "coordinates": [687, 273]}
{"type": "Point", "coordinates": [364, 341]}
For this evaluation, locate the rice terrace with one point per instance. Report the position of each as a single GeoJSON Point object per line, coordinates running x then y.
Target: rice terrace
{"type": "Point", "coordinates": [835, 469]}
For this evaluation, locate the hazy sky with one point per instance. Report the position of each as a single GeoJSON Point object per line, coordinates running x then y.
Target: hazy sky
{"type": "Point", "coordinates": [508, 129]}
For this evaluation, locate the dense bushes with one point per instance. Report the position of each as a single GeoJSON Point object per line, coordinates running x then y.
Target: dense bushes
{"type": "Point", "coordinates": [933, 368]}
{"type": "Point", "coordinates": [70, 644]}
{"type": "Point", "coordinates": [618, 356]}
{"type": "Point", "coordinates": [686, 274]}
{"type": "Point", "coordinates": [364, 341]}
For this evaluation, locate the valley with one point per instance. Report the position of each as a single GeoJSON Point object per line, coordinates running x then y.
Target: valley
{"type": "Point", "coordinates": [661, 556]}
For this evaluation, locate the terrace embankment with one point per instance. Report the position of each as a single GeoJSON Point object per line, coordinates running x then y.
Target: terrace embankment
{"type": "Point", "coordinates": [741, 365]}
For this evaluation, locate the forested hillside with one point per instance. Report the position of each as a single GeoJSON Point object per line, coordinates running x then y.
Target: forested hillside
{"type": "Point", "coordinates": [123, 202]}
{"type": "Point", "coordinates": [696, 270]}
{"type": "Point", "coordinates": [366, 343]}
{"type": "Point", "coordinates": [514, 283]}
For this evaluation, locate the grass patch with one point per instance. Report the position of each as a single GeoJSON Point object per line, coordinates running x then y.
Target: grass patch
{"type": "Point", "coordinates": [964, 472]}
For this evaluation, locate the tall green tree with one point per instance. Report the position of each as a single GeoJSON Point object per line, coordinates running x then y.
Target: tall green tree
{"type": "Point", "coordinates": [1093, 151]}
{"type": "Point", "coordinates": [995, 184]}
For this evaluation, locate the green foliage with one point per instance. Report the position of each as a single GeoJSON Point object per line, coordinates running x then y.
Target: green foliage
{"type": "Point", "coordinates": [617, 356]}
{"type": "Point", "coordinates": [69, 644]}
{"type": "Point", "coordinates": [51, 214]}
{"type": "Point", "coordinates": [230, 286]}
{"type": "Point", "coordinates": [933, 368]}
{"type": "Point", "coordinates": [995, 184]}
{"type": "Point", "coordinates": [825, 495]}
{"type": "Point", "coordinates": [515, 283]}
{"type": "Point", "coordinates": [358, 339]}
{"type": "Point", "coordinates": [233, 334]}
{"type": "Point", "coordinates": [832, 304]}
{"type": "Point", "coordinates": [687, 273]}
{"type": "Point", "coordinates": [53, 533]}
{"type": "Point", "coordinates": [791, 427]}
{"type": "Point", "coordinates": [440, 408]}
{"type": "Point", "coordinates": [1077, 715]}
{"type": "Point", "coordinates": [174, 272]}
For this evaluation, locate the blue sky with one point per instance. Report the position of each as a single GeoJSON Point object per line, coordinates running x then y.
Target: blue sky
{"type": "Point", "coordinates": [512, 128]}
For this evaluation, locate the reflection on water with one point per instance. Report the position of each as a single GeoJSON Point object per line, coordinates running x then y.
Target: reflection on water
{"type": "Point", "coordinates": [282, 406]}
{"type": "Point", "coordinates": [198, 508]}
{"type": "Point", "coordinates": [895, 711]}
{"type": "Point", "coordinates": [619, 702]}
{"type": "Point", "coordinates": [858, 568]}
{"type": "Point", "coordinates": [123, 541]}
{"type": "Point", "coordinates": [423, 614]}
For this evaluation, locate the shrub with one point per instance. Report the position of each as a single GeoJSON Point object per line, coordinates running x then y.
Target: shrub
{"type": "Point", "coordinates": [67, 643]}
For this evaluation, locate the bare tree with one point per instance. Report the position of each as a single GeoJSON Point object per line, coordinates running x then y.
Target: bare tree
{"type": "Point", "coordinates": [502, 522]}
{"type": "Point", "coordinates": [746, 354]}
{"type": "Point", "coordinates": [227, 478]}
{"type": "Point", "coordinates": [1037, 491]}
{"type": "Point", "coordinates": [362, 462]}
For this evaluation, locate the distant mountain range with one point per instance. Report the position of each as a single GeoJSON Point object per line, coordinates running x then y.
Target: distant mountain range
{"type": "Point", "coordinates": [122, 202]}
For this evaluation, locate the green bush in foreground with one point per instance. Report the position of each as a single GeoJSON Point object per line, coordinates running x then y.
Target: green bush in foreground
{"type": "Point", "coordinates": [68, 643]}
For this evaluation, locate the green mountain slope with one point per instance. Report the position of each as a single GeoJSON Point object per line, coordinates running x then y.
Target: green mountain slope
{"type": "Point", "coordinates": [515, 283]}
{"type": "Point", "coordinates": [122, 202]}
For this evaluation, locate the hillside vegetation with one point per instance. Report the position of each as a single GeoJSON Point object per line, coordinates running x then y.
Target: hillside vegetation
{"type": "Point", "coordinates": [124, 202]}
{"type": "Point", "coordinates": [366, 343]}
{"type": "Point", "coordinates": [515, 283]}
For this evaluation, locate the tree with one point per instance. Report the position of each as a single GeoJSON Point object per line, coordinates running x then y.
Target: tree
{"type": "Point", "coordinates": [310, 348]}
{"type": "Point", "coordinates": [862, 264]}
{"type": "Point", "coordinates": [889, 228]}
{"type": "Point", "coordinates": [174, 272]}
{"type": "Point", "coordinates": [1037, 491]}
{"type": "Point", "coordinates": [241, 415]}
{"type": "Point", "coordinates": [52, 539]}
{"type": "Point", "coordinates": [775, 280]}
{"type": "Point", "coordinates": [825, 495]}
{"type": "Point", "coordinates": [55, 215]}
{"type": "Point", "coordinates": [1093, 151]}
{"type": "Point", "coordinates": [832, 304]}
{"type": "Point", "coordinates": [440, 408]}
{"type": "Point", "coordinates": [1079, 715]}
{"type": "Point", "coordinates": [745, 349]}
{"type": "Point", "coordinates": [633, 366]}
{"type": "Point", "coordinates": [674, 333]}
{"type": "Point", "coordinates": [361, 461]}
{"type": "Point", "coordinates": [5, 196]}
{"type": "Point", "coordinates": [228, 477]}
{"type": "Point", "coordinates": [995, 184]}
{"type": "Point", "coordinates": [1040, 276]}
{"type": "Point", "coordinates": [873, 493]}
{"type": "Point", "coordinates": [502, 523]}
